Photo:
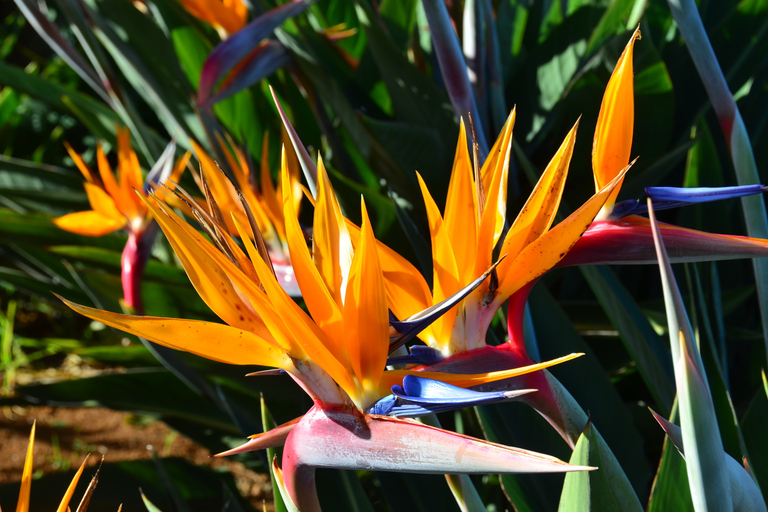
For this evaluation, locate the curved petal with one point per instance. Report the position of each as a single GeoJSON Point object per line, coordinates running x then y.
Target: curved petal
{"type": "Point", "coordinates": [613, 135]}
{"type": "Point", "coordinates": [496, 172]}
{"type": "Point", "coordinates": [366, 319]}
{"type": "Point", "coordinates": [26, 475]}
{"type": "Point", "coordinates": [101, 202]}
{"type": "Point", "coordinates": [214, 341]}
{"type": "Point", "coordinates": [89, 223]}
{"type": "Point", "coordinates": [446, 273]}
{"type": "Point", "coordinates": [466, 380]}
{"type": "Point", "coordinates": [64, 505]}
{"type": "Point", "coordinates": [419, 396]}
{"type": "Point", "coordinates": [549, 249]}
{"type": "Point", "coordinates": [461, 210]}
{"type": "Point", "coordinates": [539, 211]}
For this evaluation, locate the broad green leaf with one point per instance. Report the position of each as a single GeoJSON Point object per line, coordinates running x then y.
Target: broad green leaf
{"type": "Point", "coordinates": [585, 491]}
{"type": "Point", "coordinates": [518, 425]}
{"type": "Point", "coordinates": [705, 458]}
{"type": "Point", "coordinates": [643, 344]}
{"type": "Point", "coordinates": [613, 21]}
{"type": "Point", "coordinates": [609, 415]}
{"type": "Point", "coordinates": [693, 33]}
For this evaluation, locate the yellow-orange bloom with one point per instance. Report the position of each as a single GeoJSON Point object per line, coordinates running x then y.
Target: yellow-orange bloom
{"type": "Point", "coordinates": [226, 16]}
{"type": "Point", "coordinates": [464, 238]}
{"type": "Point", "coordinates": [338, 355]}
{"type": "Point", "coordinates": [613, 135]}
{"type": "Point", "coordinates": [114, 201]}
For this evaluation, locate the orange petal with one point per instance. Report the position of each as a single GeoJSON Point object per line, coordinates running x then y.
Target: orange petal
{"type": "Point", "coordinates": [64, 505]}
{"type": "Point", "coordinates": [545, 252]}
{"type": "Point", "coordinates": [128, 163]}
{"type": "Point", "coordinates": [366, 318]}
{"type": "Point", "coordinates": [445, 272]}
{"type": "Point", "coordinates": [217, 342]}
{"type": "Point", "coordinates": [497, 154]}
{"type": "Point", "coordinates": [221, 285]}
{"type": "Point", "coordinates": [318, 296]}
{"type": "Point", "coordinates": [89, 223]}
{"type": "Point", "coordinates": [26, 476]}
{"type": "Point", "coordinates": [465, 380]}
{"type": "Point", "coordinates": [268, 191]}
{"type": "Point", "coordinates": [613, 135]}
{"type": "Point", "coordinates": [407, 291]}
{"type": "Point", "coordinates": [299, 332]}
{"type": "Point", "coordinates": [461, 214]}
{"type": "Point", "coordinates": [332, 246]}
{"type": "Point", "coordinates": [102, 202]}
{"type": "Point", "coordinates": [539, 211]}
{"type": "Point", "coordinates": [84, 169]}
{"type": "Point", "coordinates": [124, 199]}
{"type": "Point", "coordinates": [495, 174]}
{"type": "Point", "coordinates": [214, 12]}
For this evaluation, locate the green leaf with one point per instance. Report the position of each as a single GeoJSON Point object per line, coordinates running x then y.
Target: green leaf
{"type": "Point", "coordinates": [670, 487]}
{"type": "Point", "coordinates": [705, 458]}
{"type": "Point", "coordinates": [613, 21]}
{"type": "Point", "coordinates": [106, 258]}
{"type": "Point", "coordinates": [753, 427]}
{"type": "Point", "coordinates": [585, 491]}
{"type": "Point", "coordinates": [148, 391]}
{"type": "Point", "coordinates": [267, 424]}
{"type": "Point", "coordinates": [343, 489]}
{"type": "Point", "coordinates": [641, 341]}
{"type": "Point", "coordinates": [607, 410]}
{"type": "Point", "coordinates": [517, 425]}
{"type": "Point", "coordinates": [150, 506]}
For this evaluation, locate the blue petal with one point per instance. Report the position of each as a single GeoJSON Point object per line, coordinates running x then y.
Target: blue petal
{"type": "Point", "coordinates": [420, 354]}
{"type": "Point", "coordinates": [627, 208]}
{"type": "Point", "coordinates": [687, 195]}
{"type": "Point", "coordinates": [383, 406]}
{"type": "Point", "coordinates": [418, 396]}
{"type": "Point", "coordinates": [411, 327]}
{"type": "Point", "coordinates": [429, 391]}
{"type": "Point", "coordinates": [665, 198]}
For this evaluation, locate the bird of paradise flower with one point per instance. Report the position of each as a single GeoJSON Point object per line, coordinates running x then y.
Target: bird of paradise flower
{"type": "Point", "coordinates": [337, 356]}
{"type": "Point", "coordinates": [116, 204]}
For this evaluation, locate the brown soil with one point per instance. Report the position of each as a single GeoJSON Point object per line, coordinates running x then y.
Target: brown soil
{"type": "Point", "coordinates": [65, 435]}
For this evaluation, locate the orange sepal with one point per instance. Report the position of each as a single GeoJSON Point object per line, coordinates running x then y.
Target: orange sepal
{"type": "Point", "coordinates": [613, 134]}
{"type": "Point", "coordinates": [89, 223]}
{"type": "Point", "coordinates": [366, 320]}
{"type": "Point", "coordinates": [546, 251]}
{"type": "Point", "coordinates": [218, 342]}
{"type": "Point", "coordinates": [539, 211]}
